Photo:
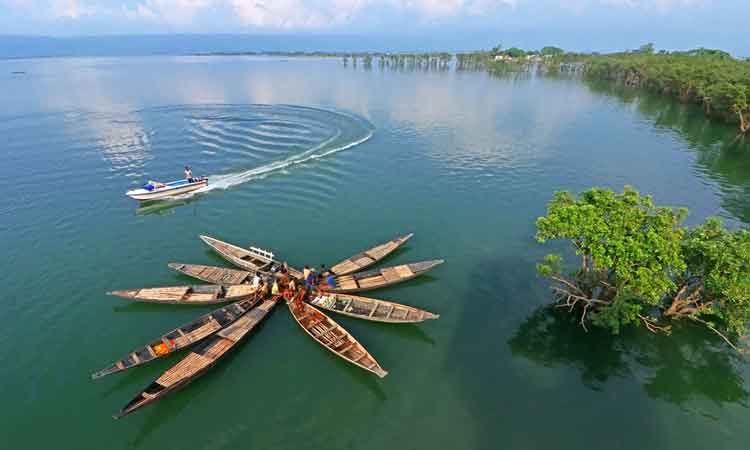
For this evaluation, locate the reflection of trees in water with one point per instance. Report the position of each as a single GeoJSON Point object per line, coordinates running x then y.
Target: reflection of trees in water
{"type": "Point", "coordinates": [402, 62]}
{"type": "Point", "coordinates": [688, 365]}
{"type": "Point", "coordinates": [722, 155]}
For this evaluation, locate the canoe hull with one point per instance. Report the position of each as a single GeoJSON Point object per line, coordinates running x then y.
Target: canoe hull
{"type": "Point", "coordinates": [369, 257]}
{"type": "Point", "coordinates": [253, 259]}
{"type": "Point", "coordinates": [334, 337]}
{"type": "Point", "coordinates": [181, 337]}
{"type": "Point", "coordinates": [213, 274]}
{"type": "Point", "coordinates": [234, 254]}
{"type": "Point", "coordinates": [380, 278]}
{"type": "Point", "coordinates": [374, 310]}
{"type": "Point", "coordinates": [200, 360]}
{"type": "Point", "coordinates": [197, 295]}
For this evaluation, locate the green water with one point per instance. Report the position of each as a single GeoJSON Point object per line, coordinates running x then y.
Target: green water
{"type": "Point", "coordinates": [463, 160]}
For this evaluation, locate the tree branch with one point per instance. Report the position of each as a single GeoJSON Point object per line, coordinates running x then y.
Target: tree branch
{"type": "Point", "coordinates": [651, 325]}
{"type": "Point", "coordinates": [710, 327]}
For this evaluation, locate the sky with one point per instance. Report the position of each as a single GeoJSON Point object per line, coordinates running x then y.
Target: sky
{"type": "Point", "coordinates": [457, 24]}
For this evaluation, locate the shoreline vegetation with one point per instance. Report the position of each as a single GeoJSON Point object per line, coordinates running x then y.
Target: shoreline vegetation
{"type": "Point", "coordinates": [711, 79]}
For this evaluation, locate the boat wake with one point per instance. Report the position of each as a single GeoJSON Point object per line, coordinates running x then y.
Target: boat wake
{"type": "Point", "coordinates": [225, 181]}
{"type": "Point", "coordinates": [269, 139]}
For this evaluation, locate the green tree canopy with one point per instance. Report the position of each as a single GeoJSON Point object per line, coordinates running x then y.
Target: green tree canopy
{"type": "Point", "coordinates": [552, 51]}
{"type": "Point", "coordinates": [640, 265]}
{"type": "Point", "coordinates": [515, 52]}
{"type": "Point", "coordinates": [711, 78]}
{"type": "Point", "coordinates": [647, 49]}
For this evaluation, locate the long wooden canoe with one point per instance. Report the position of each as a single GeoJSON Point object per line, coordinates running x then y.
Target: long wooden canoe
{"type": "Point", "coordinates": [180, 337]}
{"type": "Point", "coordinates": [334, 337]}
{"type": "Point", "coordinates": [255, 259]}
{"type": "Point", "coordinates": [369, 257]}
{"type": "Point", "coordinates": [213, 274]}
{"type": "Point", "coordinates": [378, 278]}
{"type": "Point", "coordinates": [199, 360]}
{"type": "Point", "coordinates": [188, 295]}
{"type": "Point", "coordinates": [252, 259]}
{"type": "Point", "coordinates": [372, 309]}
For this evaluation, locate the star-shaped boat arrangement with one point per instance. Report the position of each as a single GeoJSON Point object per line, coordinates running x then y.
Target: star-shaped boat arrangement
{"type": "Point", "coordinates": [217, 332]}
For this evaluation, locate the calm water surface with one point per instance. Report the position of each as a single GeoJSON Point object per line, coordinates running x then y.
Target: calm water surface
{"type": "Point", "coordinates": [317, 161]}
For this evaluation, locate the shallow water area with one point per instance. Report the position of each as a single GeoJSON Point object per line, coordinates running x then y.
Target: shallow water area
{"type": "Point", "coordinates": [317, 161]}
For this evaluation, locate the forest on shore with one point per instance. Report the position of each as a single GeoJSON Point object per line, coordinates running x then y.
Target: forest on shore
{"type": "Point", "coordinates": [713, 79]}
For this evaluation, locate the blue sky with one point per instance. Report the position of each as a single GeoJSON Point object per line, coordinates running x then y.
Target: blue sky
{"type": "Point", "coordinates": [574, 24]}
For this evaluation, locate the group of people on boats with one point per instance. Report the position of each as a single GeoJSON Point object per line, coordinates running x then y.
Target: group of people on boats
{"type": "Point", "coordinates": [323, 278]}
{"type": "Point", "coordinates": [282, 283]}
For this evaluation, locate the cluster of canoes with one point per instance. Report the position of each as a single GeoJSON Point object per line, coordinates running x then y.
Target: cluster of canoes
{"type": "Point", "coordinates": [217, 332]}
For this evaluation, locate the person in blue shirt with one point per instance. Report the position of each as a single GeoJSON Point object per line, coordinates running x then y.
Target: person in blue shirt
{"type": "Point", "coordinates": [331, 280]}
{"type": "Point", "coordinates": [310, 280]}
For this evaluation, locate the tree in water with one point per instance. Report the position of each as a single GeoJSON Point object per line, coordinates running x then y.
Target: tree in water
{"type": "Point", "coordinates": [640, 266]}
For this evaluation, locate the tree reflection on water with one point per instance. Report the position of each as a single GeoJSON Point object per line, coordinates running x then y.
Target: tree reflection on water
{"type": "Point", "coordinates": [687, 365]}
{"type": "Point", "coordinates": [721, 154]}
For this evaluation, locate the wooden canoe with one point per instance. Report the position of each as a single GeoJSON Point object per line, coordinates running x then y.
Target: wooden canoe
{"type": "Point", "coordinates": [188, 295]}
{"type": "Point", "coordinates": [369, 257]}
{"type": "Point", "coordinates": [252, 259]}
{"type": "Point", "coordinates": [378, 278]}
{"type": "Point", "coordinates": [213, 274]}
{"type": "Point", "coordinates": [180, 337]}
{"type": "Point", "coordinates": [334, 337]}
{"type": "Point", "coordinates": [370, 308]}
{"type": "Point", "coordinates": [199, 360]}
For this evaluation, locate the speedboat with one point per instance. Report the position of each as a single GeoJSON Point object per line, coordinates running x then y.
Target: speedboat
{"type": "Point", "coordinates": [154, 190]}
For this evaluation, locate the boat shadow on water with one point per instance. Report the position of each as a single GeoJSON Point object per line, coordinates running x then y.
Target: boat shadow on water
{"type": "Point", "coordinates": [406, 331]}
{"type": "Point", "coordinates": [355, 373]}
{"type": "Point", "coordinates": [164, 207]}
{"type": "Point", "coordinates": [158, 417]}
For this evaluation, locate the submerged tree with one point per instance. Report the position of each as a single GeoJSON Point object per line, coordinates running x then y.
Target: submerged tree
{"type": "Point", "coordinates": [639, 265]}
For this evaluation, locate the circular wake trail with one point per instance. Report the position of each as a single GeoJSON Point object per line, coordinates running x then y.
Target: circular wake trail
{"type": "Point", "coordinates": [264, 139]}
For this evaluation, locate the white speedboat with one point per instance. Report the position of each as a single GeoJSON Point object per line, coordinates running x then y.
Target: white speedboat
{"type": "Point", "coordinates": [153, 190]}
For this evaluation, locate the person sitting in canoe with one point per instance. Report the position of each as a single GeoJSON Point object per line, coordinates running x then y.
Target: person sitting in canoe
{"type": "Point", "coordinates": [263, 289]}
{"type": "Point", "coordinates": [189, 174]}
{"type": "Point", "coordinates": [331, 280]}
{"type": "Point", "coordinates": [305, 272]}
{"type": "Point", "coordinates": [321, 274]}
{"type": "Point", "coordinates": [311, 278]}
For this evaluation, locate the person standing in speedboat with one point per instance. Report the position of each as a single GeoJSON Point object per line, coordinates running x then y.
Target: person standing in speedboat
{"type": "Point", "coordinates": [188, 174]}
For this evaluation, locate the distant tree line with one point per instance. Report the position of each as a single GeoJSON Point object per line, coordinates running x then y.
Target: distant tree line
{"type": "Point", "coordinates": [713, 79]}
{"type": "Point", "coordinates": [710, 78]}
